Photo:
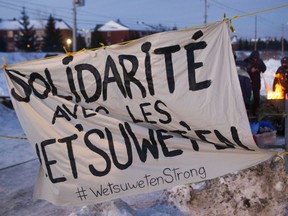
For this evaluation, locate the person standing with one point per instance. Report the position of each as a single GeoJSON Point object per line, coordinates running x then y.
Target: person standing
{"type": "Point", "coordinates": [245, 82]}
{"type": "Point", "coordinates": [281, 75]}
{"type": "Point", "coordinates": [255, 66]}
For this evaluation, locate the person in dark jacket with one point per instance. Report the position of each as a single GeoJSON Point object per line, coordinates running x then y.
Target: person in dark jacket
{"type": "Point", "coordinates": [281, 75]}
{"type": "Point", "coordinates": [255, 66]}
{"type": "Point", "coordinates": [245, 82]}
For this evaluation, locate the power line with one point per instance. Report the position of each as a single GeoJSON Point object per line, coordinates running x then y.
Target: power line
{"type": "Point", "coordinates": [29, 10]}
{"type": "Point", "coordinates": [62, 13]}
{"type": "Point", "coordinates": [43, 14]}
{"type": "Point", "coordinates": [225, 6]}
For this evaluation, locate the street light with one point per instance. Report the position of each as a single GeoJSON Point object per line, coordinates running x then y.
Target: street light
{"type": "Point", "coordinates": [68, 42]}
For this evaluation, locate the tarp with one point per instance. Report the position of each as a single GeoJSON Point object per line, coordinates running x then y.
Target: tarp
{"type": "Point", "coordinates": [160, 111]}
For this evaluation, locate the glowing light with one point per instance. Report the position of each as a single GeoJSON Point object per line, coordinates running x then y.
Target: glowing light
{"type": "Point", "coordinates": [68, 41]}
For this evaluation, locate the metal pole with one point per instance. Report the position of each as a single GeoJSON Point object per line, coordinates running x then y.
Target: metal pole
{"type": "Point", "coordinates": [255, 47]}
{"type": "Point", "coordinates": [74, 37]}
{"type": "Point", "coordinates": [282, 40]}
{"type": "Point", "coordinates": [286, 132]}
{"type": "Point", "coordinates": [205, 12]}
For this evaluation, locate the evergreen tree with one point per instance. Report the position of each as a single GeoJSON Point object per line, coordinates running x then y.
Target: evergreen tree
{"type": "Point", "coordinates": [26, 38]}
{"type": "Point", "coordinates": [52, 39]}
{"type": "Point", "coordinates": [240, 44]}
{"type": "Point", "coordinates": [246, 45]}
{"type": "Point", "coordinates": [285, 44]}
{"type": "Point", "coordinates": [261, 45]}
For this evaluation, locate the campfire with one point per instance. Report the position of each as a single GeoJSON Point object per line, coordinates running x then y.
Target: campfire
{"type": "Point", "coordinates": [277, 97]}
{"type": "Point", "coordinates": [277, 94]}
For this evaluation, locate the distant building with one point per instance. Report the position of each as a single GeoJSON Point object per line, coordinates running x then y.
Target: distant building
{"type": "Point", "coordinates": [113, 32]}
{"type": "Point", "coordinates": [10, 29]}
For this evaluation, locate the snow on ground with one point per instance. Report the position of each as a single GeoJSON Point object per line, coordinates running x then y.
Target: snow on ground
{"type": "Point", "coordinates": [268, 77]}
{"type": "Point", "coordinates": [10, 126]}
{"type": "Point", "coordinates": [260, 190]}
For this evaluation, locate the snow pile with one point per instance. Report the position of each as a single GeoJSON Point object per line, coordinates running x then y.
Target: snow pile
{"type": "Point", "coordinates": [260, 190]}
{"type": "Point", "coordinates": [268, 76]}
{"type": "Point", "coordinates": [119, 207]}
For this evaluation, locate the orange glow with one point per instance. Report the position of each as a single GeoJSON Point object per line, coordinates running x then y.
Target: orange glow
{"type": "Point", "coordinates": [277, 94]}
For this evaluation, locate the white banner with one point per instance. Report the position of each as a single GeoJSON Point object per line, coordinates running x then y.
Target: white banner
{"type": "Point", "coordinates": [161, 111]}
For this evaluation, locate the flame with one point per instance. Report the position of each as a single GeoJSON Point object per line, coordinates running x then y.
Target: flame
{"type": "Point", "coordinates": [277, 94]}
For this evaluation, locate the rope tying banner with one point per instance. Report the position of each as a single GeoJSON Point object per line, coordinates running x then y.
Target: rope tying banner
{"type": "Point", "coordinates": [281, 154]}
{"type": "Point", "coordinates": [5, 64]}
{"type": "Point", "coordinates": [13, 137]}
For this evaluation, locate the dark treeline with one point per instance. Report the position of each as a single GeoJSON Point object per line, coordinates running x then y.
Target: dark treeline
{"type": "Point", "coordinates": [271, 44]}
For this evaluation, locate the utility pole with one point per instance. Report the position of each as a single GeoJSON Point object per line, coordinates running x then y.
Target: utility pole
{"type": "Point", "coordinates": [74, 32]}
{"type": "Point", "coordinates": [255, 47]}
{"type": "Point", "coordinates": [205, 12]}
{"type": "Point", "coordinates": [283, 28]}
{"type": "Point", "coordinates": [74, 36]}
